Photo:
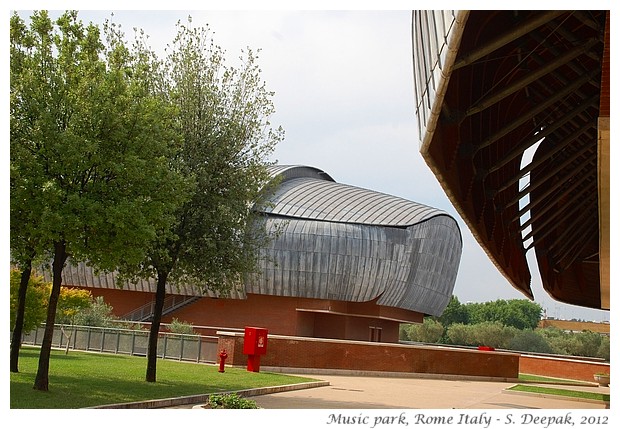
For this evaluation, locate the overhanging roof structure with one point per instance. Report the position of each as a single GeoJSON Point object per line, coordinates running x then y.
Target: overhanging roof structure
{"type": "Point", "coordinates": [490, 85]}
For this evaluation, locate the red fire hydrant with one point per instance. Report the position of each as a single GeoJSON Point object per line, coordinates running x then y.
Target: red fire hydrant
{"type": "Point", "coordinates": [223, 356]}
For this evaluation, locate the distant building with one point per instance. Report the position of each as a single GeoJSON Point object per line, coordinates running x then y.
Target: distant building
{"type": "Point", "coordinates": [349, 263]}
{"type": "Point", "coordinates": [576, 326]}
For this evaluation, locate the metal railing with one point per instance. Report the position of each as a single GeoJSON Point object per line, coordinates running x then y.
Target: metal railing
{"type": "Point", "coordinates": [171, 303]}
{"type": "Point", "coordinates": [185, 347]}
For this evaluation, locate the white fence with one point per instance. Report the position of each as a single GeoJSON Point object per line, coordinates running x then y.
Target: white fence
{"type": "Point", "coordinates": [195, 348]}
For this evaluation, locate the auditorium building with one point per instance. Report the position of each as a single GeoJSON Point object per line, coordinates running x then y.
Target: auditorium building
{"type": "Point", "coordinates": [348, 263]}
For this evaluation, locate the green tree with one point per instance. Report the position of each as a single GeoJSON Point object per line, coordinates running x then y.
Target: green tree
{"type": "Point", "coordinates": [26, 189]}
{"type": "Point", "coordinates": [90, 148]}
{"type": "Point", "coordinates": [519, 313]}
{"type": "Point", "coordinates": [430, 331]}
{"type": "Point", "coordinates": [70, 302]}
{"type": "Point", "coordinates": [529, 341]}
{"type": "Point", "coordinates": [223, 118]}
{"type": "Point", "coordinates": [492, 334]}
{"type": "Point", "coordinates": [455, 312]}
{"type": "Point", "coordinates": [590, 343]}
{"type": "Point", "coordinates": [97, 313]}
{"type": "Point", "coordinates": [460, 334]}
{"type": "Point", "coordinates": [603, 351]}
{"type": "Point", "coordinates": [34, 302]}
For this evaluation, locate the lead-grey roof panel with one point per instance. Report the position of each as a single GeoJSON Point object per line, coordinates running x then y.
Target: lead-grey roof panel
{"type": "Point", "coordinates": [319, 199]}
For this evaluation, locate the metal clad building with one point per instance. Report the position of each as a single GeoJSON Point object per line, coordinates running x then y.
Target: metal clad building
{"type": "Point", "coordinates": [347, 263]}
{"type": "Point", "coordinates": [346, 243]}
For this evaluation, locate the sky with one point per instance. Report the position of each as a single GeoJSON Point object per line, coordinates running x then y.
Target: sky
{"type": "Point", "coordinates": [343, 84]}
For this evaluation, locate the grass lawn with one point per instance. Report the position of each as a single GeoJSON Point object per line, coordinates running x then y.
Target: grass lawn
{"type": "Point", "coordinates": [540, 378]}
{"type": "Point", "coordinates": [561, 392]}
{"type": "Point", "coordinates": [80, 379]}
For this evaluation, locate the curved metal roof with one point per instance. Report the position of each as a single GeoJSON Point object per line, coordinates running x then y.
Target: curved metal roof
{"type": "Point", "coordinates": [309, 193]}
{"type": "Point", "coordinates": [286, 172]}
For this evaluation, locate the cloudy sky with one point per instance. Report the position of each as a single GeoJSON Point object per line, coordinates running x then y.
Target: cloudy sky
{"type": "Point", "coordinates": [344, 95]}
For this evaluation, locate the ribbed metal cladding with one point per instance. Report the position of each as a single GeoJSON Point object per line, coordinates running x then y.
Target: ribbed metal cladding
{"type": "Point", "coordinates": [338, 242]}
{"type": "Point", "coordinates": [413, 268]}
{"type": "Point", "coordinates": [341, 242]}
{"type": "Point", "coordinates": [311, 198]}
{"type": "Point", "coordinates": [82, 275]}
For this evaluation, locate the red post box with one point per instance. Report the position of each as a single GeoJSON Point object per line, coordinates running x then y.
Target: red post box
{"type": "Point", "coordinates": [254, 345]}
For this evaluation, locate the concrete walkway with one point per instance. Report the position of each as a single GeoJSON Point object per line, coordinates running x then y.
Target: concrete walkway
{"type": "Point", "coordinates": [355, 391]}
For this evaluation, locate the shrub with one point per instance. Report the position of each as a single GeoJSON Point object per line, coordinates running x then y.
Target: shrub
{"type": "Point", "coordinates": [529, 341]}
{"type": "Point", "coordinates": [459, 333]}
{"type": "Point", "coordinates": [603, 350]}
{"type": "Point", "coordinates": [590, 343]}
{"type": "Point", "coordinates": [493, 334]}
{"type": "Point", "coordinates": [178, 327]}
{"type": "Point", "coordinates": [99, 313]}
{"type": "Point", "coordinates": [430, 331]}
{"type": "Point", "coordinates": [567, 344]}
{"type": "Point", "coordinates": [230, 401]}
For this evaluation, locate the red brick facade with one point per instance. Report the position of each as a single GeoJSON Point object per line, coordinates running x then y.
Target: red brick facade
{"type": "Point", "coordinates": [571, 369]}
{"type": "Point", "coordinates": [363, 356]}
{"type": "Point", "coordinates": [306, 317]}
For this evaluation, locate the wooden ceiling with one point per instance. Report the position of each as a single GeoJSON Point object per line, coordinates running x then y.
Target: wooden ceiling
{"type": "Point", "coordinates": [521, 80]}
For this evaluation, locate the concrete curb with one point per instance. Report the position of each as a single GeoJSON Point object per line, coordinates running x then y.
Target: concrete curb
{"type": "Point", "coordinates": [194, 399]}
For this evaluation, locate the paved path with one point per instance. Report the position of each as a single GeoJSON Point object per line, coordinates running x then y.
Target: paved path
{"type": "Point", "coordinates": [375, 392]}
{"type": "Point", "coordinates": [352, 392]}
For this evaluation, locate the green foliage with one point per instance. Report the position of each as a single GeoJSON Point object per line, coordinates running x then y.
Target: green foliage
{"type": "Point", "coordinates": [91, 140]}
{"type": "Point", "coordinates": [455, 312]}
{"type": "Point", "coordinates": [226, 138]}
{"type": "Point", "coordinates": [36, 300]}
{"type": "Point", "coordinates": [460, 334]}
{"type": "Point", "coordinates": [178, 327]}
{"type": "Point", "coordinates": [230, 401]}
{"type": "Point", "coordinates": [70, 303]}
{"type": "Point", "coordinates": [529, 341]}
{"type": "Point", "coordinates": [585, 343]}
{"type": "Point", "coordinates": [430, 331]}
{"type": "Point", "coordinates": [519, 313]}
{"type": "Point", "coordinates": [81, 156]}
{"type": "Point", "coordinates": [97, 313]}
{"type": "Point", "coordinates": [590, 343]}
{"type": "Point", "coordinates": [603, 351]}
{"type": "Point", "coordinates": [547, 340]}
{"type": "Point", "coordinates": [492, 334]}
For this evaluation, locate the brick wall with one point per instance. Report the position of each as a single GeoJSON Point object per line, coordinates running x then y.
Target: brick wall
{"type": "Point", "coordinates": [299, 352]}
{"type": "Point", "coordinates": [571, 369]}
{"type": "Point", "coordinates": [280, 315]}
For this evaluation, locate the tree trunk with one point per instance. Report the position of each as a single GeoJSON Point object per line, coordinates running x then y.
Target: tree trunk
{"type": "Point", "coordinates": [160, 295]}
{"type": "Point", "coordinates": [41, 381]}
{"type": "Point", "coordinates": [16, 339]}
